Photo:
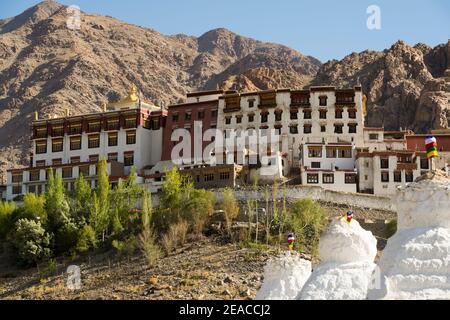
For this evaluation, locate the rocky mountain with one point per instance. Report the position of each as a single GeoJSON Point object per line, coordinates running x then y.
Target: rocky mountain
{"type": "Point", "coordinates": [47, 67]}
{"type": "Point", "coordinates": [406, 87]}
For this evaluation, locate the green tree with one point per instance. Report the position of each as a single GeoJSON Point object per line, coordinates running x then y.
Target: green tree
{"type": "Point", "coordinates": [6, 211]}
{"type": "Point", "coordinates": [307, 221]}
{"type": "Point", "coordinates": [31, 242]}
{"type": "Point", "coordinates": [100, 212]}
{"type": "Point", "coordinates": [82, 200]}
{"type": "Point", "coordinates": [147, 241]}
{"type": "Point", "coordinates": [56, 205]}
{"type": "Point", "coordinates": [86, 239]}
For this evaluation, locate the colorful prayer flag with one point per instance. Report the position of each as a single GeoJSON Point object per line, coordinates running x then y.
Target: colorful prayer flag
{"type": "Point", "coordinates": [431, 147]}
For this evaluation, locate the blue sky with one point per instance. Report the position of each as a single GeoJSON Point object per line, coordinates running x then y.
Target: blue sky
{"type": "Point", "coordinates": [323, 29]}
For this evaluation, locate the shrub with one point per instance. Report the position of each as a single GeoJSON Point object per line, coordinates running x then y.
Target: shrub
{"type": "Point", "coordinates": [147, 239]}
{"type": "Point", "coordinates": [31, 242]}
{"type": "Point", "coordinates": [199, 208]}
{"type": "Point", "coordinates": [230, 207]}
{"type": "Point", "coordinates": [176, 235]}
{"type": "Point", "coordinates": [6, 211]}
{"type": "Point", "coordinates": [307, 221]}
{"type": "Point", "coordinates": [126, 247]}
{"type": "Point", "coordinates": [86, 239]}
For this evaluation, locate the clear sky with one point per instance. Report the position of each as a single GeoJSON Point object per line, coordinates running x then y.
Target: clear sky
{"type": "Point", "coordinates": [323, 29]}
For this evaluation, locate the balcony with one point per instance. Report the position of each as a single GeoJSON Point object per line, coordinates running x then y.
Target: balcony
{"type": "Point", "coordinates": [267, 100]}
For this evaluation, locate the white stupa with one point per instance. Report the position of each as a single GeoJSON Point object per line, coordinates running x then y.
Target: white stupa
{"type": "Point", "coordinates": [347, 254]}
{"type": "Point", "coordinates": [416, 261]}
{"type": "Point", "coordinates": [284, 277]}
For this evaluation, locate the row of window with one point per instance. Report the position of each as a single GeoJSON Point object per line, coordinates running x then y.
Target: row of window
{"type": "Point", "coordinates": [384, 162]}
{"type": "Point", "coordinates": [330, 152]}
{"type": "Point", "coordinates": [385, 176]}
{"type": "Point", "coordinates": [207, 177]}
{"type": "Point", "coordinates": [93, 142]}
{"type": "Point", "coordinates": [91, 126]}
{"type": "Point", "coordinates": [328, 178]}
{"type": "Point", "coordinates": [307, 114]}
{"type": "Point", "coordinates": [176, 116]}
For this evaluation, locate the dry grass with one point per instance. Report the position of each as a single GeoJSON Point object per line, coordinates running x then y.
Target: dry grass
{"type": "Point", "coordinates": [175, 236]}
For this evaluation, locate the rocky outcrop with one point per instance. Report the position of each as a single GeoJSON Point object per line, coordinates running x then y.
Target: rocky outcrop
{"type": "Point", "coordinates": [406, 87]}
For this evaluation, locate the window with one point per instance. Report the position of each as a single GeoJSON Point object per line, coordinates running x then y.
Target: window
{"type": "Point", "coordinates": [131, 137]}
{"type": "Point", "coordinates": [328, 178]}
{"type": "Point", "coordinates": [208, 177]}
{"type": "Point", "coordinates": [40, 163]}
{"type": "Point", "coordinates": [338, 128]}
{"type": "Point", "coordinates": [112, 156]}
{"type": "Point", "coordinates": [315, 165]}
{"type": "Point", "coordinates": [112, 124]}
{"type": "Point", "coordinates": [75, 128]}
{"type": "Point", "coordinates": [238, 119]}
{"type": "Point", "coordinates": [323, 101]}
{"type": "Point", "coordinates": [251, 117]}
{"type": "Point", "coordinates": [17, 189]}
{"type": "Point", "coordinates": [84, 170]}
{"type": "Point", "coordinates": [322, 114]}
{"type": "Point", "coordinates": [331, 153]}
{"type": "Point", "coordinates": [345, 153]}
{"type": "Point", "coordinates": [112, 139]}
{"type": "Point", "coordinates": [57, 130]}
{"type": "Point", "coordinates": [384, 176]}
{"type": "Point", "coordinates": [294, 115]}
{"type": "Point", "coordinates": [131, 122]}
{"type": "Point", "coordinates": [128, 159]}
{"type": "Point", "coordinates": [352, 128]}
{"type": "Point", "coordinates": [315, 152]}
{"type": "Point", "coordinates": [75, 160]}
{"type": "Point", "coordinates": [228, 120]}
{"type": "Point", "coordinates": [264, 117]}
{"type": "Point", "coordinates": [307, 129]}
{"type": "Point", "coordinates": [41, 147]}
{"type": "Point", "coordinates": [93, 141]}
{"type": "Point", "coordinates": [312, 178]}
{"type": "Point", "coordinates": [323, 128]}
{"type": "Point", "coordinates": [397, 176]}
{"type": "Point", "coordinates": [155, 123]}
{"type": "Point", "coordinates": [293, 129]}
{"type": "Point", "coordinates": [31, 189]}
{"type": "Point", "coordinates": [75, 143]}
{"type": "Point", "coordinates": [40, 132]}
{"type": "Point", "coordinates": [57, 145]}
{"type": "Point", "coordinates": [409, 176]}
{"type": "Point", "coordinates": [67, 172]}
{"type": "Point", "coordinates": [424, 164]}
{"type": "Point", "coordinates": [338, 113]}
{"type": "Point", "coordinates": [94, 126]}
{"type": "Point", "coordinates": [373, 136]}
{"type": "Point", "coordinates": [384, 163]}
{"type": "Point", "coordinates": [351, 113]}
{"type": "Point", "coordinates": [34, 175]}
{"type": "Point", "coordinates": [214, 114]}
{"type": "Point", "coordinates": [187, 116]}
{"type": "Point", "coordinates": [350, 178]}
{"type": "Point", "coordinates": [17, 177]}
{"type": "Point", "coordinates": [306, 114]}
{"type": "Point", "coordinates": [225, 175]}
{"type": "Point", "coordinates": [93, 158]}
{"type": "Point", "coordinates": [278, 115]}
{"type": "Point", "coordinates": [56, 162]}
{"type": "Point", "coordinates": [251, 103]}
{"type": "Point", "coordinates": [201, 115]}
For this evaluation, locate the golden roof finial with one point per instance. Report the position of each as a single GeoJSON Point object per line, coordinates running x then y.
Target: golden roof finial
{"type": "Point", "coordinates": [104, 106]}
{"type": "Point", "coordinates": [133, 93]}
{"type": "Point", "coordinates": [36, 116]}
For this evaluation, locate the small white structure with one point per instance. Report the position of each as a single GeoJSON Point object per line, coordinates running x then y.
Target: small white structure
{"type": "Point", "coordinates": [347, 252]}
{"type": "Point", "coordinates": [415, 264]}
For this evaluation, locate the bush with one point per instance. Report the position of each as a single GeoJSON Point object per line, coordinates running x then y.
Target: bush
{"type": "Point", "coordinates": [307, 220]}
{"type": "Point", "coordinates": [199, 208]}
{"type": "Point", "coordinates": [86, 239]}
{"type": "Point", "coordinates": [31, 242]}
{"type": "Point", "coordinates": [391, 228]}
{"type": "Point", "coordinates": [176, 235]}
{"type": "Point", "coordinates": [230, 207]}
{"type": "Point", "coordinates": [6, 212]}
{"type": "Point", "coordinates": [126, 247]}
